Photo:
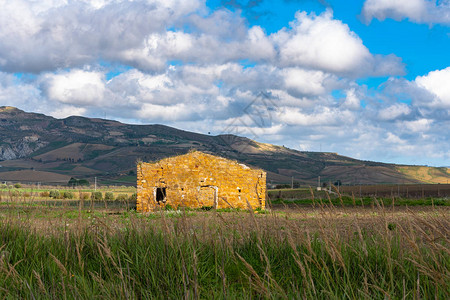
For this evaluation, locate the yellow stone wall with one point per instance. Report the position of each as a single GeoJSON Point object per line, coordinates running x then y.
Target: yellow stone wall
{"type": "Point", "coordinates": [199, 180]}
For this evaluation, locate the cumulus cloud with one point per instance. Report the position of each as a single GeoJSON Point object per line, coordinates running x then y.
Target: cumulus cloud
{"type": "Point", "coordinates": [43, 36]}
{"type": "Point", "coordinates": [437, 83]}
{"type": "Point", "coordinates": [322, 116]}
{"type": "Point", "coordinates": [38, 36]}
{"type": "Point", "coordinates": [419, 11]}
{"type": "Point", "coordinates": [305, 82]}
{"type": "Point", "coordinates": [324, 43]}
{"type": "Point", "coordinates": [393, 112]}
{"type": "Point", "coordinates": [420, 125]}
{"type": "Point", "coordinates": [352, 99]}
{"type": "Point", "coordinates": [76, 87]}
{"type": "Point", "coordinates": [134, 94]}
{"type": "Point", "coordinates": [18, 93]}
{"type": "Point", "coordinates": [159, 48]}
{"type": "Point", "coordinates": [67, 111]}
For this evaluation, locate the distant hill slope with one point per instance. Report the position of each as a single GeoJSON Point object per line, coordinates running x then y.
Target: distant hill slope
{"type": "Point", "coordinates": [84, 147]}
{"type": "Point", "coordinates": [426, 174]}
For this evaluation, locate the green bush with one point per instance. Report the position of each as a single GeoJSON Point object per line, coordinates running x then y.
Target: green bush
{"type": "Point", "coordinates": [122, 197]}
{"type": "Point", "coordinates": [109, 196]}
{"type": "Point", "coordinates": [97, 196]}
{"type": "Point", "coordinates": [3, 186]}
{"type": "Point", "coordinates": [68, 195]}
{"type": "Point", "coordinates": [84, 196]}
{"type": "Point", "coordinates": [55, 194]}
{"type": "Point", "coordinates": [17, 185]}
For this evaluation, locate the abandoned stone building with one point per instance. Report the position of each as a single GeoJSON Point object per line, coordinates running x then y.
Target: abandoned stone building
{"type": "Point", "coordinates": [198, 180]}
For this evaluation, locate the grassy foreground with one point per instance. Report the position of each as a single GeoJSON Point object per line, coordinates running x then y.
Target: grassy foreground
{"type": "Point", "coordinates": [229, 255]}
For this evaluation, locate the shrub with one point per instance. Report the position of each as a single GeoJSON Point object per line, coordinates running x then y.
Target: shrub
{"type": "Point", "coordinates": [44, 194]}
{"type": "Point", "coordinates": [17, 185]}
{"type": "Point", "coordinates": [84, 196]}
{"type": "Point", "coordinates": [68, 195]}
{"type": "Point", "coordinates": [15, 193]}
{"type": "Point", "coordinates": [96, 196]}
{"type": "Point", "coordinates": [122, 197]}
{"type": "Point", "coordinates": [55, 194]}
{"type": "Point", "coordinates": [3, 186]}
{"type": "Point", "coordinates": [109, 196]}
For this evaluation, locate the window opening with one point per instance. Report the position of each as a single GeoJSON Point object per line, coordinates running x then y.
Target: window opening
{"type": "Point", "coordinates": [161, 195]}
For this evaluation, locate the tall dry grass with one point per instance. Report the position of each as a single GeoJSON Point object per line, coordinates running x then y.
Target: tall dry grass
{"type": "Point", "coordinates": [325, 253]}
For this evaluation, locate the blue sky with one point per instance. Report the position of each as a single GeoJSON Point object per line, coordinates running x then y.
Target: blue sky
{"type": "Point", "coordinates": [367, 79]}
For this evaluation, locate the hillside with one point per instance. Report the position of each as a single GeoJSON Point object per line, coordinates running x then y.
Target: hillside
{"type": "Point", "coordinates": [87, 148]}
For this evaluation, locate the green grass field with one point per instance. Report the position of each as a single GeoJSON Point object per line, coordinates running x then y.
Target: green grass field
{"type": "Point", "coordinates": [322, 252]}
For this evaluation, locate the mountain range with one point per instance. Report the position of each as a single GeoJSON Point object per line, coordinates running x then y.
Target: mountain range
{"type": "Point", "coordinates": [39, 148]}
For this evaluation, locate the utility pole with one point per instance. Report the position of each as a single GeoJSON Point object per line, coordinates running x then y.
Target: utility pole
{"type": "Point", "coordinates": [292, 182]}
{"type": "Point", "coordinates": [318, 182]}
{"type": "Point", "coordinates": [95, 184]}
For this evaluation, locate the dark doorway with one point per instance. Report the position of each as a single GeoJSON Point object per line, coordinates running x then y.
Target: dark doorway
{"type": "Point", "coordinates": [161, 195]}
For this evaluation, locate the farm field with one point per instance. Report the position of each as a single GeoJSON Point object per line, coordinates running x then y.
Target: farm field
{"type": "Point", "coordinates": [319, 250]}
{"type": "Point", "coordinates": [399, 191]}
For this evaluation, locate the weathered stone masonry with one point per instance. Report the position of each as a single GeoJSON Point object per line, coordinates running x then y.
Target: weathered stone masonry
{"type": "Point", "coordinates": [199, 180]}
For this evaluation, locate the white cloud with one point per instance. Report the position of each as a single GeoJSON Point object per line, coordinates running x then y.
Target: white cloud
{"type": "Point", "coordinates": [67, 111]}
{"type": "Point", "coordinates": [421, 125]}
{"type": "Point", "coordinates": [394, 111]}
{"type": "Point", "coordinates": [438, 84]}
{"type": "Point", "coordinates": [305, 82]}
{"type": "Point", "coordinates": [13, 92]}
{"type": "Point", "coordinates": [321, 116]}
{"type": "Point", "coordinates": [327, 44]}
{"type": "Point", "coordinates": [420, 11]}
{"type": "Point", "coordinates": [321, 42]}
{"type": "Point", "coordinates": [47, 35]}
{"type": "Point", "coordinates": [162, 113]}
{"type": "Point", "coordinates": [159, 48]}
{"type": "Point", "coordinates": [36, 37]}
{"type": "Point", "coordinates": [76, 87]}
{"type": "Point", "coordinates": [352, 100]}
